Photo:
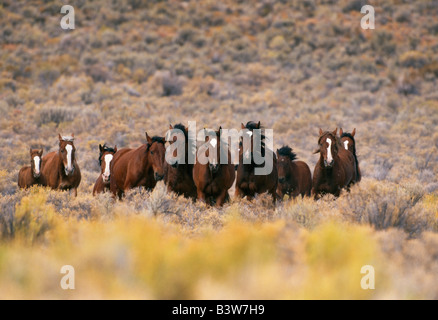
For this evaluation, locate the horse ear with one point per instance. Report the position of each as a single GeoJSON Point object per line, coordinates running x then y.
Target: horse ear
{"type": "Point", "coordinates": [258, 125]}
{"type": "Point", "coordinates": [149, 139]}
{"type": "Point", "coordinates": [335, 132]}
{"type": "Point", "coordinates": [354, 132]}
{"type": "Point", "coordinates": [170, 127]}
{"type": "Point", "coordinates": [115, 148]}
{"type": "Point", "coordinates": [277, 153]}
{"type": "Point", "coordinates": [59, 137]}
{"type": "Point", "coordinates": [41, 152]}
{"type": "Point", "coordinates": [100, 148]}
{"type": "Point", "coordinates": [30, 150]}
{"type": "Point", "coordinates": [320, 132]}
{"type": "Point", "coordinates": [72, 135]}
{"type": "Point", "coordinates": [243, 126]}
{"type": "Point", "coordinates": [316, 151]}
{"type": "Point", "coordinates": [341, 132]}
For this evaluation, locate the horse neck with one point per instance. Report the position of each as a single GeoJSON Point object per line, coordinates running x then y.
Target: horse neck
{"type": "Point", "coordinates": [143, 157]}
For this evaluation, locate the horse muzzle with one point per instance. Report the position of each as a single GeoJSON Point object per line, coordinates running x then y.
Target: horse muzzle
{"type": "Point", "coordinates": [36, 175]}
{"type": "Point", "coordinates": [214, 168]}
{"type": "Point", "coordinates": [328, 164]}
{"type": "Point", "coordinates": [175, 164]}
{"type": "Point", "coordinates": [158, 177]}
{"type": "Point", "coordinates": [69, 172]}
{"type": "Point", "coordinates": [282, 180]}
{"type": "Point", "coordinates": [105, 178]}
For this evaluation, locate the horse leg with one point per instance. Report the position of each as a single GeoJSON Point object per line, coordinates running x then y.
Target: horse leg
{"type": "Point", "coordinates": [201, 196]}
{"type": "Point", "coordinates": [238, 193]}
{"type": "Point", "coordinates": [220, 200]}
{"type": "Point", "coordinates": [273, 193]}
{"type": "Point", "coordinates": [75, 192]}
{"type": "Point", "coordinates": [316, 195]}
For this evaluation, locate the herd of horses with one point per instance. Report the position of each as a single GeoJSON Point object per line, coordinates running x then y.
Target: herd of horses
{"type": "Point", "coordinates": [125, 169]}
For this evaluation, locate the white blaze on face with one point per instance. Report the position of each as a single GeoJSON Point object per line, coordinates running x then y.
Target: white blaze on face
{"type": "Point", "coordinates": [329, 151]}
{"type": "Point", "coordinates": [37, 161]}
{"type": "Point", "coordinates": [346, 144]}
{"type": "Point", "coordinates": [69, 149]}
{"type": "Point", "coordinates": [213, 143]}
{"type": "Point", "coordinates": [108, 159]}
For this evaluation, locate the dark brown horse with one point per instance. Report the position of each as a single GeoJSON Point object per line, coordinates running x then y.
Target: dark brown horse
{"type": "Point", "coordinates": [336, 167]}
{"type": "Point", "coordinates": [106, 155]}
{"type": "Point", "coordinates": [179, 176]}
{"type": "Point", "coordinates": [60, 168]}
{"type": "Point", "coordinates": [212, 178]}
{"type": "Point", "coordinates": [248, 183]}
{"type": "Point", "coordinates": [31, 175]}
{"type": "Point", "coordinates": [349, 143]}
{"type": "Point", "coordinates": [141, 167]}
{"type": "Point", "coordinates": [294, 177]}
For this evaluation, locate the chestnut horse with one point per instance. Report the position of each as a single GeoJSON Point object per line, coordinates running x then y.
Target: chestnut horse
{"type": "Point", "coordinates": [105, 157]}
{"type": "Point", "coordinates": [294, 177]}
{"type": "Point", "coordinates": [31, 175]}
{"type": "Point", "coordinates": [213, 179]}
{"type": "Point", "coordinates": [179, 176]}
{"type": "Point", "coordinates": [60, 168]}
{"type": "Point", "coordinates": [336, 167]}
{"type": "Point", "coordinates": [247, 182]}
{"type": "Point", "coordinates": [349, 143]}
{"type": "Point", "coordinates": [141, 167]}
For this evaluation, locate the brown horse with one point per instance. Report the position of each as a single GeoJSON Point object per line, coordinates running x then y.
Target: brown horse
{"type": "Point", "coordinates": [248, 183]}
{"type": "Point", "coordinates": [349, 143]}
{"type": "Point", "coordinates": [105, 157]}
{"type": "Point", "coordinates": [31, 175]}
{"type": "Point", "coordinates": [179, 176]}
{"type": "Point", "coordinates": [60, 168]}
{"type": "Point", "coordinates": [213, 179]}
{"type": "Point", "coordinates": [294, 177]}
{"type": "Point", "coordinates": [141, 167]}
{"type": "Point", "coordinates": [336, 167]}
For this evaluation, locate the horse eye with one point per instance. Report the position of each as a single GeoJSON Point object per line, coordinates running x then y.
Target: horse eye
{"type": "Point", "coordinates": [152, 152]}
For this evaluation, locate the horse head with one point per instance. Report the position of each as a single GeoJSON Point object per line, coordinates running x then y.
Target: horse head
{"type": "Point", "coordinates": [35, 162]}
{"type": "Point", "coordinates": [328, 147]}
{"type": "Point", "coordinates": [105, 157]}
{"type": "Point", "coordinates": [156, 151]}
{"type": "Point", "coordinates": [67, 152]}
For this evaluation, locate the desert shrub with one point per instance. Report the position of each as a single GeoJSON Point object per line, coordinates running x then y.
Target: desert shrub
{"type": "Point", "coordinates": [56, 115]}
{"type": "Point", "coordinates": [334, 253]}
{"type": "Point", "coordinates": [383, 43]}
{"type": "Point", "coordinates": [171, 84]}
{"type": "Point", "coordinates": [413, 59]}
{"type": "Point", "coordinates": [8, 182]}
{"type": "Point", "coordinates": [305, 212]}
{"type": "Point", "coordinates": [48, 75]}
{"type": "Point", "coordinates": [33, 218]}
{"type": "Point", "coordinates": [408, 83]}
{"type": "Point", "coordinates": [98, 73]}
{"type": "Point", "coordinates": [354, 5]}
{"type": "Point", "coordinates": [7, 215]}
{"type": "Point", "coordinates": [386, 205]}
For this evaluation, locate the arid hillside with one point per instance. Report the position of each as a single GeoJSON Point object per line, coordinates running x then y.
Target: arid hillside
{"type": "Point", "coordinates": [132, 66]}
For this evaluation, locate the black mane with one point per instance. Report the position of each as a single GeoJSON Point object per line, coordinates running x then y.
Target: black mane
{"type": "Point", "coordinates": [181, 127]}
{"type": "Point", "coordinates": [105, 149]}
{"type": "Point", "coordinates": [287, 152]}
{"type": "Point", "coordinates": [158, 139]}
